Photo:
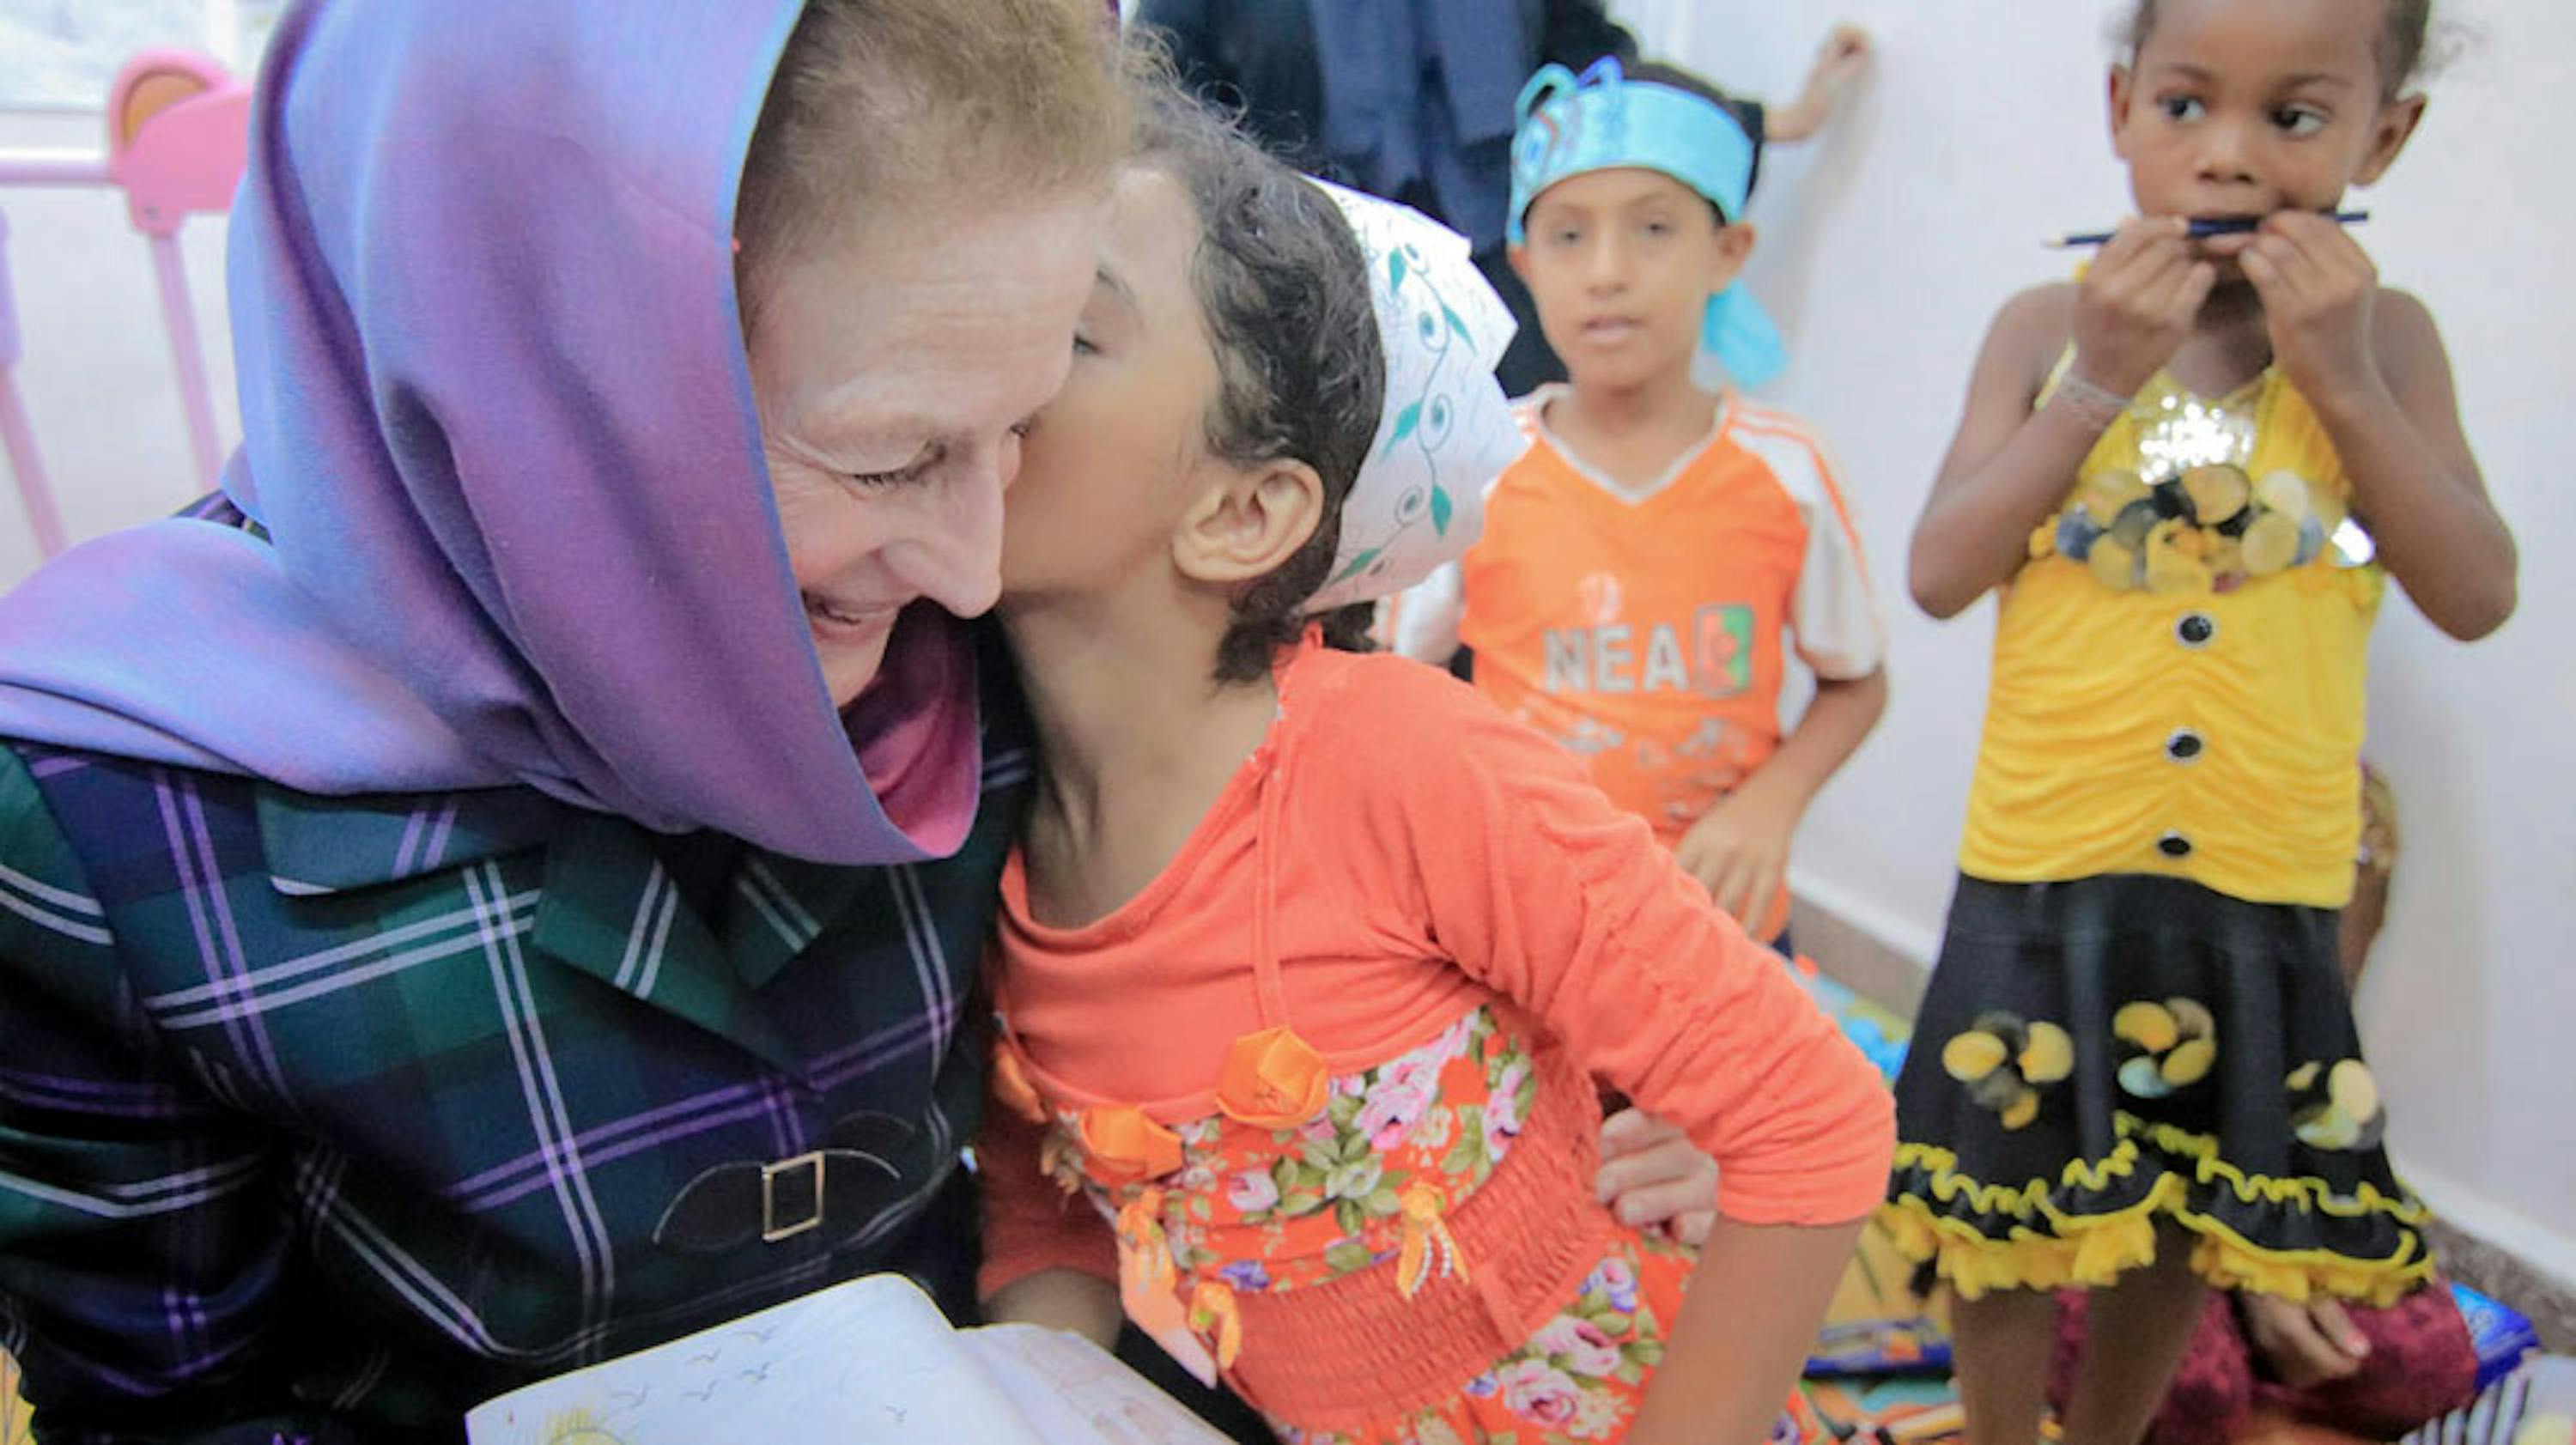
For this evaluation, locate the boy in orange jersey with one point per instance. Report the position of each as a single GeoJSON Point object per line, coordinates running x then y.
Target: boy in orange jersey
{"type": "Point", "coordinates": [1641, 564]}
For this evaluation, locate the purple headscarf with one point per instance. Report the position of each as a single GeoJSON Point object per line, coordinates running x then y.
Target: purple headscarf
{"type": "Point", "coordinates": [498, 425]}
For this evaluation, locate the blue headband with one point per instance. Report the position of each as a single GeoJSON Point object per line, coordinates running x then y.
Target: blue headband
{"type": "Point", "coordinates": [1601, 120]}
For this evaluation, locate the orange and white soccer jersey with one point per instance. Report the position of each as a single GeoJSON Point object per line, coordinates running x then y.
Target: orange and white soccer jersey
{"type": "Point", "coordinates": [1643, 627]}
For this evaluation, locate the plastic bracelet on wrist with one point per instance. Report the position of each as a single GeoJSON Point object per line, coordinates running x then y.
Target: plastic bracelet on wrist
{"type": "Point", "coordinates": [2099, 406]}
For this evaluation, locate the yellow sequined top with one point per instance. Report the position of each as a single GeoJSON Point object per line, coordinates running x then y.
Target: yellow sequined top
{"type": "Point", "coordinates": [2178, 670]}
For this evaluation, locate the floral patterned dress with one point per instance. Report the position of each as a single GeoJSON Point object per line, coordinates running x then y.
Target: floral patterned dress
{"type": "Point", "coordinates": [1399, 1239]}
{"type": "Point", "coordinates": [1226, 1207]}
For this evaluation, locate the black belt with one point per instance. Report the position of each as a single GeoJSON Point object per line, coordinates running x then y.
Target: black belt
{"type": "Point", "coordinates": [844, 1186]}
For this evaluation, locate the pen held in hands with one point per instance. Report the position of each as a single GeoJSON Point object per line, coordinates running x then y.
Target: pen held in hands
{"type": "Point", "coordinates": [2202, 228]}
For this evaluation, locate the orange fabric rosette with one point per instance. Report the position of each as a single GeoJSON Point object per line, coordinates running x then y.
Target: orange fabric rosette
{"type": "Point", "coordinates": [1214, 1314]}
{"type": "Point", "coordinates": [1273, 1080]}
{"type": "Point", "coordinates": [1123, 1145]}
{"type": "Point", "coordinates": [1011, 1084]}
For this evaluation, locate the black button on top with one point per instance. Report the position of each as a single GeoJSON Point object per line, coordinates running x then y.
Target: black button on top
{"type": "Point", "coordinates": [2195, 629]}
{"type": "Point", "coordinates": [2174, 845]}
{"type": "Point", "coordinates": [2183, 746]}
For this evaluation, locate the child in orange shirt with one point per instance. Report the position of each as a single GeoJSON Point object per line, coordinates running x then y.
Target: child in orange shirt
{"type": "Point", "coordinates": [1308, 960]}
{"type": "Point", "coordinates": [1640, 564]}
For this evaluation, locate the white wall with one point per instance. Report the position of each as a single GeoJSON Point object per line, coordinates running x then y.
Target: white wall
{"type": "Point", "coordinates": [97, 377]}
{"type": "Point", "coordinates": [1889, 243]}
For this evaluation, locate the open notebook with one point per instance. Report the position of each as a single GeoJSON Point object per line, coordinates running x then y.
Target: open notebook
{"type": "Point", "coordinates": [867, 1361]}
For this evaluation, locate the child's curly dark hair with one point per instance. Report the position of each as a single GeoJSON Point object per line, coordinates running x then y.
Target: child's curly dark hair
{"type": "Point", "coordinates": [1284, 285]}
{"type": "Point", "coordinates": [2404, 38]}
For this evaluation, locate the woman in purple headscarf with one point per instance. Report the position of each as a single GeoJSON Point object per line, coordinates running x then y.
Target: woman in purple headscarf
{"type": "Point", "coordinates": [430, 951]}
{"type": "Point", "coordinates": [501, 884]}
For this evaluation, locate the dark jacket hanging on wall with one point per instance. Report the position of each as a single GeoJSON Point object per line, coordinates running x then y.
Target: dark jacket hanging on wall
{"type": "Point", "coordinates": [1262, 57]}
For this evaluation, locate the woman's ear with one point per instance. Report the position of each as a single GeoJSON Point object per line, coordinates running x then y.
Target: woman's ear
{"type": "Point", "coordinates": [1248, 521]}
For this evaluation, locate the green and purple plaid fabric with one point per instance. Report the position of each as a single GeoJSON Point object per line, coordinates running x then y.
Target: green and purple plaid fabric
{"type": "Point", "coordinates": [324, 1119]}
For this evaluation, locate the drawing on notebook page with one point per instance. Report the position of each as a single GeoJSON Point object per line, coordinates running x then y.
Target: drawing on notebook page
{"type": "Point", "coordinates": [867, 1361]}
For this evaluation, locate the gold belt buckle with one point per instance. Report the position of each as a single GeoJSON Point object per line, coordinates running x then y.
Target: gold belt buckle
{"type": "Point", "coordinates": [771, 1231]}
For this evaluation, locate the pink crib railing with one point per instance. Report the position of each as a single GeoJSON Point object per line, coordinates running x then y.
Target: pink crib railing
{"type": "Point", "coordinates": [178, 135]}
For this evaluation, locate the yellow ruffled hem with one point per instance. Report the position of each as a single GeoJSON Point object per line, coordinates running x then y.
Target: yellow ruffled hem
{"type": "Point", "coordinates": [2057, 1250]}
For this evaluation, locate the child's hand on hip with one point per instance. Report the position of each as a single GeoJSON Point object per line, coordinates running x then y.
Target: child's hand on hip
{"type": "Point", "coordinates": [2318, 288]}
{"type": "Point", "coordinates": [1739, 851]}
{"type": "Point", "coordinates": [1653, 1177]}
{"type": "Point", "coordinates": [2137, 305]}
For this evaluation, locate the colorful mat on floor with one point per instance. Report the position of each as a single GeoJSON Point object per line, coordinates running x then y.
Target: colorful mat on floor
{"type": "Point", "coordinates": [1911, 1410]}
{"type": "Point", "coordinates": [2534, 1405]}
{"type": "Point", "coordinates": [1880, 1374]}
{"type": "Point", "coordinates": [1878, 1324]}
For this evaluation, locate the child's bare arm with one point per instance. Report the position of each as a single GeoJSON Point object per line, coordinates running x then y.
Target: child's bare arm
{"type": "Point", "coordinates": [1840, 62]}
{"type": "Point", "coordinates": [2417, 486]}
{"type": "Point", "coordinates": [2372, 363]}
{"type": "Point", "coordinates": [2457, 559]}
{"type": "Point", "coordinates": [1540, 889]}
{"type": "Point", "coordinates": [1060, 1299]}
{"type": "Point", "coordinates": [2009, 466]}
{"type": "Point", "coordinates": [1741, 1334]}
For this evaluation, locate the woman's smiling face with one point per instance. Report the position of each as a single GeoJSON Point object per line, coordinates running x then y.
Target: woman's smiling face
{"type": "Point", "coordinates": [893, 372]}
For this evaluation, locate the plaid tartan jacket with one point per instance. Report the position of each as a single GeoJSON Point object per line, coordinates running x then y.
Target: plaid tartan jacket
{"type": "Point", "coordinates": [323, 1119]}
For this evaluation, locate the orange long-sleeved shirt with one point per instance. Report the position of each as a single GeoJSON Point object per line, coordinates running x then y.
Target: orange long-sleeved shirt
{"type": "Point", "coordinates": [1428, 854]}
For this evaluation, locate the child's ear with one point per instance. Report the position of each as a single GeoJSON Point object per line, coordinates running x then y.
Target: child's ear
{"type": "Point", "coordinates": [2389, 134]}
{"type": "Point", "coordinates": [1248, 522]}
{"type": "Point", "coordinates": [1734, 248]}
{"type": "Point", "coordinates": [2121, 84]}
{"type": "Point", "coordinates": [1519, 258]}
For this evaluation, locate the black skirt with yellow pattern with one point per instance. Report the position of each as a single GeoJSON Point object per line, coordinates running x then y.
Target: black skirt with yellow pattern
{"type": "Point", "coordinates": [2097, 1055]}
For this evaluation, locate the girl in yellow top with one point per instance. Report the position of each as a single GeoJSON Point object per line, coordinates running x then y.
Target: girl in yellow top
{"type": "Point", "coordinates": [2190, 474]}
